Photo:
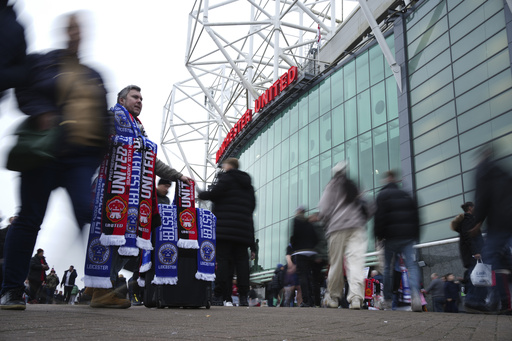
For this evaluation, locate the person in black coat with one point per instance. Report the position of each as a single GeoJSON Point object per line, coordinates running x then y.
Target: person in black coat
{"type": "Point", "coordinates": [233, 204]}
{"type": "Point", "coordinates": [397, 223]}
{"type": "Point", "coordinates": [68, 280]}
{"type": "Point", "coordinates": [37, 274]}
{"type": "Point", "coordinates": [470, 250]}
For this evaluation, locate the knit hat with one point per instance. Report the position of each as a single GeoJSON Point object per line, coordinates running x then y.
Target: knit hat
{"type": "Point", "coordinates": [232, 162]}
{"type": "Point", "coordinates": [163, 182]}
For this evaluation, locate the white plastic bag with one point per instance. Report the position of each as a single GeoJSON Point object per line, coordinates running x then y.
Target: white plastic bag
{"type": "Point", "coordinates": [481, 276]}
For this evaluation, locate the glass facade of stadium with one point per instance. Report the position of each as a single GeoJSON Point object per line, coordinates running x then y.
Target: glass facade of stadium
{"type": "Point", "coordinates": [457, 96]}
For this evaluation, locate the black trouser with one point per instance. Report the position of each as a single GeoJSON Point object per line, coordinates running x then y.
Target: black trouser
{"type": "Point", "coordinates": [308, 284]}
{"type": "Point", "coordinates": [67, 292]}
{"type": "Point", "coordinates": [230, 257]}
{"type": "Point", "coordinates": [34, 289]}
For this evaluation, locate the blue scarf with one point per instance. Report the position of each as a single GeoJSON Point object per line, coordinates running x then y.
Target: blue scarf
{"type": "Point", "coordinates": [166, 247]}
{"type": "Point", "coordinates": [206, 221]}
{"type": "Point", "coordinates": [99, 257]}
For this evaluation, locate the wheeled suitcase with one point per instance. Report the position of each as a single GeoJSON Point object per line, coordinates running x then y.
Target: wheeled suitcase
{"type": "Point", "coordinates": [189, 292]}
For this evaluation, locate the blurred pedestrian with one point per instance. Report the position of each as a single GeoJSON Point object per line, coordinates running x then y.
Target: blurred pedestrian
{"type": "Point", "coordinates": [68, 281]}
{"type": "Point", "coordinates": [321, 258]}
{"type": "Point", "coordinates": [397, 224]}
{"type": "Point", "coordinates": [341, 210]}
{"type": "Point", "coordinates": [277, 285]}
{"type": "Point", "coordinates": [73, 294]}
{"type": "Point", "coordinates": [65, 93]}
{"type": "Point", "coordinates": [470, 247]}
{"type": "Point", "coordinates": [37, 275]}
{"type": "Point", "coordinates": [233, 204]}
{"type": "Point", "coordinates": [436, 289]}
{"type": "Point", "coordinates": [304, 240]}
{"type": "Point", "coordinates": [162, 189]}
{"type": "Point", "coordinates": [3, 235]}
{"type": "Point", "coordinates": [451, 294]}
{"type": "Point", "coordinates": [52, 281]}
{"type": "Point", "coordinates": [494, 204]}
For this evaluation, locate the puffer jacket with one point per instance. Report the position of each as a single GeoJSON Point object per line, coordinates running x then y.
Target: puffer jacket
{"type": "Point", "coordinates": [397, 214]}
{"type": "Point", "coordinates": [233, 205]}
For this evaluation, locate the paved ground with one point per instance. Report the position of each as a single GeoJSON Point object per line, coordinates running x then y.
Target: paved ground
{"type": "Point", "coordinates": [63, 322]}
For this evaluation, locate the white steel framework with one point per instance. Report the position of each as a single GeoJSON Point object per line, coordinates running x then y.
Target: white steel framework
{"type": "Point", "coordinates": [235, 50]}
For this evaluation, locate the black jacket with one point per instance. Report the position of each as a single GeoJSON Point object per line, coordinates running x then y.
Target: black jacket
{"type": "Point", "coordinates": [71, 278]}
{"type": "Point", "coordinates": [233, 205]}
{"type": "Point", "coordinates": [468, 245]}
{"type": "Point", "coordinates": [397, 214]}
{"type": "Point", "coordinates": [36, 269]}
{"type": "Point", "coordinates": [304, 235]}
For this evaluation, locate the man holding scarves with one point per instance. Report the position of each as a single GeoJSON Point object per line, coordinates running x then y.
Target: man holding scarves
{"type": "Point", "coordinates": [125, 205]}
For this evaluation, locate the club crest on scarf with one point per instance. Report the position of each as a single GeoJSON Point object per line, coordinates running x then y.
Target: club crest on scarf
{"type": "Point", "coordinates": [207, 251]}
{"type": "Point", "coordinates": [187, 222]}
{"type": "Point", "coordinates": [98, 254]}
{"type": "Point", "coordinates": [168, 254]}
{"type": "Point", "coordinates": [116, 209]}
{"type": "Point", "coordinates": [187, 219]}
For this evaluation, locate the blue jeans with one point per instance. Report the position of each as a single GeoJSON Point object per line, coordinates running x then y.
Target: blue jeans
{"type": "Point", "coordinates": [74, 173]}
{"type": "Point", "coordinates": [391, 249]}
{"type": "Point", "coordinates": [438, 303]}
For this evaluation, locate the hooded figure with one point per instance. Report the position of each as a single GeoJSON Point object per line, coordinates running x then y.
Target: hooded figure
{"type": "Point", "coordinates": [233, 205]}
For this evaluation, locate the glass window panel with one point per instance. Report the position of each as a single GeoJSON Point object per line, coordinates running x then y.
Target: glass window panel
{"type": "Point", "coordinates": [427, 21]}
{"type": "Point", "coordinates": [285, 190]}
{"type": "Point", "coordinates": [423, 10]}
{"type": "Point", "coordinates": [431, 103]}
{"type": "Point", "coordinates": [394, 145]}
{"type": "Point", "coordinates": [338, 154]}
{"type": "Point", "coordinates": [294, 117]}
{"type": "Point", "coordinates": [480, 54]}
{"type": "Point", "coordinates": [458, 13]}
{"type": "Point", "coordinates": [314, 182]}
{"type": "Point", "coordinates": [468, 179]}
{"type": "Point", "coordinates": [482, 72]}
{"type": "Point", "coordinates": [325, 169]}
{"type": "Point", "coordinates": [313, 103]}
{"type": "Point", "coordinates": [492, 108]}
{"type": "Point", "coordinates": [314, 138]}
{"type": "Point", "coordinates": [276, 245]}
{"type": "Point", "coordinates": [380, 152]}
{"type": "Point", "coordinates": [435, 136]}
{"type": "Point", "coordinates": [437, 173]}
{"type": "Point", "coordinates": [294, 190]}
{"type": "Point", "coordinates": [481, 93]}
{"type": "Point", "coordinates": [479, 35]}
{"type": "Point", "coordinates": [434, 119]}
{"type": "Point", "coordinates": [362, 72]}
{"type": "Point", "coordinates": [430, 69]}
{"type": "Point", "coordinates": [285, 155]}
{"type": "Point", "coordinates": [270, 170]}
{"type": "Point", "coordinates": [428, 53]}
{"type": "Point", "coordinates": [303, 111]}
{"type": "Point", "coordinates": [442, 209]}
{"type": "Point", "coordinates": [376, 65]}
{"type": "Point", "coordinates": [303, 185]}
{"type": "Point", "coordinates": [337, 88]}
{"type": "Point", "coordinates": [325, 132]}
{"type": "Point", "coordinates": [469, 160]}
{"type": "Point", "coordinates": [325, 96]}
{"type": "Point", "coordinates": [277, 160]}
{"type": "Point", "coordinates": [378, 94]}
{"type": "Point", "coordinates": [391, 98]}
{"type": "Point", "coordinates": [363, 112]}
{"type": "Point", "coordinates": [285, 124]}
{"type": "Point", "coordinates": [263, 170]}
{"type": "Point", "coordinates": [268, 247]}
{"type": "Point", "coordinates": [270, 141]}
{"type": "Point", "coordinates": [284, 238]}
{"type": "Point", "coordinates": [303, 145]}
{"type": "Point", "coordinates": [264, 141]}
{"type": "Point", "coordinates": [276, 200]}
{"type": "Point", "coordinates": [294, 150]}
{"type": "Point", "coordinates": [261, 207]}
{"type": "Point", "coordinates": [349, 85]}
{"type": "Point", "coordinates": [428, 37]}
{"type": "Point", "coordinates": [432, 85]}
{"type": "Point", "coordinates": [453, 3]}
{"type": "Point", "coordinates": [484, 12]}
{"type": "Point", "coordinates": [338, 126]}
{"type": "Point", "coordinates": [277, 129]}
{"type": "Point", "coordinates": [486, 132]}
{"type": "Point", "coordinates": [350, 118]}
{"type": "Point", "coordinates": [256, 172]}
{"type": "Point", "coordinates": [365, 161]}
{"type": "Point", "coordinates": [390, 40]}
{"type": "Point", "coordinates": [268, 204]}
{"type": "Point", "coordinates": [437, 154]}
{"type": "Point", "coordinates": [352, 159]}
{"type": "Point", "coordinates": [436, 231]}
{"type": "Point", "coordinates": [443, 189]}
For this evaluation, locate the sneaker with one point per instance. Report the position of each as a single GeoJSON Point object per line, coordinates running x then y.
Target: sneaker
{"type": "Point", "coordinates": [136, 301]}
{"type": "Point", "coordinates": [329, 302]}
{"type": "Point", "coordinates": [107, 298]}
{"type": "Point", "coordinates": [355, 304]}
{"type": "Point", "coordinates": [228, 303]}
{"type": "Point", "coordinates": [13, 300]}
{"type": "Point", "coordinates": [416, 303]}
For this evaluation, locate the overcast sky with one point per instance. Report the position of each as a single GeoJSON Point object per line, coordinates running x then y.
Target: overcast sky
{"type": "Point", "coordinates": [128, 42]}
